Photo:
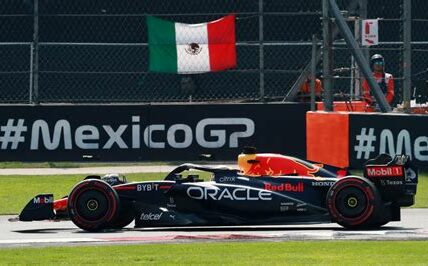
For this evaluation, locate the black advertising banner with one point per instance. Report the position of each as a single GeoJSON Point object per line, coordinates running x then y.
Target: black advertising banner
{"type": "Point", "coordinates": [149, 132]}
{"type": "Point", "coordinates": [372, 134]}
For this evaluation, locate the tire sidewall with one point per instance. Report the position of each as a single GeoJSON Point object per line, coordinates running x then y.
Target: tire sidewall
{"type": "Point", "coordinates": [106, 190]}
{"type": "Point", "coordinates": [371, 195]}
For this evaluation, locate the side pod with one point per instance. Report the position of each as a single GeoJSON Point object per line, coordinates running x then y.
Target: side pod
{"type": "Point", "coordinates": [38, 208]}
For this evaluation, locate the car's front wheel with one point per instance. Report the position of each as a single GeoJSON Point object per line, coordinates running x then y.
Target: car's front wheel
{"type": "Point", "coordinates": [93, 204]}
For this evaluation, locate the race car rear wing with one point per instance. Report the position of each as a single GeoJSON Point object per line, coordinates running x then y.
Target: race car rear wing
{"type": "Point", "coordinates": [395, 178]}
{"type": "Point", "coordinates": [384, 166]}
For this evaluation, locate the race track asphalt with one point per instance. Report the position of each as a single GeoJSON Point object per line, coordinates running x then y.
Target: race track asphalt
{"type": "Point", "coordinates": [414, 226]}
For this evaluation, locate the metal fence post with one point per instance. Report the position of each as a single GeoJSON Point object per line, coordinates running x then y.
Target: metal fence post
{"type": "Point", "coordinates": [261, 52]}
{"type": "Point", "coordinates": [327, 57]}
{"type": "Point", "coordinates": [363, 15]}
{"type": "Point", "coordinates": [313, 70]}
{"type": "Point", "coordinates": [35, 56]}
{"type": "Point", "coordinates": [407, 53]}
{"type": "Point", "coordinates": [30, 88]}
{"type": "Point", "coordinates": [354, 71]}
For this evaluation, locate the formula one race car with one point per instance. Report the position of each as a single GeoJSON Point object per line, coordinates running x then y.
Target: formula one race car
{"type": "Point", "coordinates": [267, 189]}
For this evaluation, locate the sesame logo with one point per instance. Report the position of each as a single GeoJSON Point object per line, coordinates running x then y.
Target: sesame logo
{"type": "Point", "coordinates": [193, 49]}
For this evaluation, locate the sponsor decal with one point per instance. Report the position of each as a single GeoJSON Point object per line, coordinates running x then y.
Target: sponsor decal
{"type": "Point", "coordinates": [227, 179]}
{"type": "Point", "coordinates": [387, 141]}
{"type": "Point", "coordinates": [208, 133]}
{"type": "Point", "coordinates": [410, 175]}
{"type": "Point", "coordinates": [43, 200]}
{"type": "Point", "coordinates": [150, 216]}
{"type": "Point", "coordinates": [286, 206]}
{"type": "Point", "coordinates": [238, 194]}
{"type": "Point", "coordinates": [391, 182]}
{"type": "Point", "coordinates": [323, 183]}
{"type": "Point", "coordinates": [148, 187]}
{"type": "Point", "coordinates": [299, 187]}
{"type": "Point", "coordinates": [381, 171]}
{"type": "Point", "coordinates": [277, 165]}
{"type": "Point", "coordinates": [171, 203]}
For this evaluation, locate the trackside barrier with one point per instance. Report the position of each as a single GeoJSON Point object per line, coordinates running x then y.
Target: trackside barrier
{"type": "Point", "coordinates": [348, 139]}
{"type": "Point", "coordinates": [173, 132]}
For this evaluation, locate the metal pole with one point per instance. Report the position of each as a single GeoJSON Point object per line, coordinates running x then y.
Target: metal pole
{"type": "Point", "coordinates": [313, 70]}
{"type": "Point", "coordinates": [35, 94]}
{"type": "Point", "coordinates": [363, 15]}
{"type": "Point", "coordinates": [291, 94]}
{"type": "Point", "coordinates": [261, 61]}
{"type": "Point", "coordinates": [362, 62]}
{"type": "Point", "coordinates": [407, 54]}
{"type": "Point", "coordinates": [366, 53]}
{"type": "Point", "coordinates": [30, 89]}
{"type": "Point", "coordinates": [354, 84]}
{"type": "Point", "coordinates": [327, 52]}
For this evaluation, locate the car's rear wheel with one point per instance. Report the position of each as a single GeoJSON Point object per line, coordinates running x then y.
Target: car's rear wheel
{"type": "Point", "coordinates": [354, 202]}
{"type": "Point", "coordinates": [92, 205]}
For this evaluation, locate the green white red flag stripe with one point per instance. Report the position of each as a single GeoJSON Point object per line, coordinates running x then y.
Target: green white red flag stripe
{"type": "Point", "coordinates": [191, 48]}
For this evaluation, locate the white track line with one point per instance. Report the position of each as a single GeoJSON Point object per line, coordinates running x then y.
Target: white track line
{"type": "Point", "coordinates": [50, 240]}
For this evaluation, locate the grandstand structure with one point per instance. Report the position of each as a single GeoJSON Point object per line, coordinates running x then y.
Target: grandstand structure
{"type": "Point", "coordinates": [96, 51]}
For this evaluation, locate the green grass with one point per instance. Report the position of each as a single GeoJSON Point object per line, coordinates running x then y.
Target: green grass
{"type": "Point", "coordinates": [421, 200]}
{"type": "Point", "coordinates": [26, 187]}
{"type": "Point", "coordinates": [229, 253]}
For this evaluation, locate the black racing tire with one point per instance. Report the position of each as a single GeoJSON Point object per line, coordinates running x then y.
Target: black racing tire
{"type": "Point", "coordinates": [354, 203]}
{"type": "Point", "coordinates": [125, 216]}
{"type": "Point", "coordinates": [92, 205]}
{"type": "Point", "coordinates": [376, 225]}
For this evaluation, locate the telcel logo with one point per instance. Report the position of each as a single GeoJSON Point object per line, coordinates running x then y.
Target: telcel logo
{"type": "Point", "coordinates": [388, 171]}
{"type": "Point", "coordinates": [150, 216]}
{"type": "Point", "coordinates": [43, 200]}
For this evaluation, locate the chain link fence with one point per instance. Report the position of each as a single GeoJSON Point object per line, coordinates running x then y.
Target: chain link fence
{"type": "Point", "coordinates": [96, 51]}
{"type": "Point", "coordinates": [389, 14]}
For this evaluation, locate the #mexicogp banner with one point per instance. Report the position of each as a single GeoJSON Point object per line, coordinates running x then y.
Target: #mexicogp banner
{"type": "Point", "coordinates": [191, 48]}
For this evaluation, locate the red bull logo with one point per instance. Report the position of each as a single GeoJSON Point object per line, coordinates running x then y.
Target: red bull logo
{"type": "Point", "coordinates": [274, 165]}
{"type": "Point", "coordinates": [299, 187]}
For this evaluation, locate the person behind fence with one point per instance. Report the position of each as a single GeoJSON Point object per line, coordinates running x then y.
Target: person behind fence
{"type": "Point", "coordinates": [304, 94]}
{"type": "Point", "coordinates": [383, 79]}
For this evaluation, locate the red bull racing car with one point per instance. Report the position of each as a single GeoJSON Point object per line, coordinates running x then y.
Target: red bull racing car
{"type": "Point", "coordinates": [267, 189]}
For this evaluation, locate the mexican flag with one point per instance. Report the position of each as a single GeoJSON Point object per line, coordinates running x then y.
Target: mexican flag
{"type": "Point", "coordinates": [191, 48]}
